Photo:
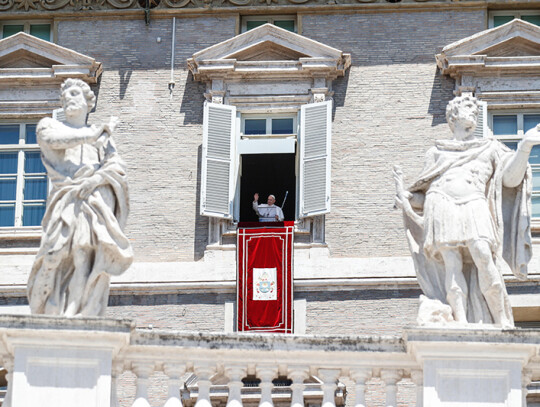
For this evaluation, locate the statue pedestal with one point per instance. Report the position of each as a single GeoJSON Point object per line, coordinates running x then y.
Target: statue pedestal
{"type": "Point", "coordinates": [61, 362]}
{"type": "Point", "coordinates": [470, 367]}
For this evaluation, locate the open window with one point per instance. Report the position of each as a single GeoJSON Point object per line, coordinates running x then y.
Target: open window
{"type": "Point", "coordinates": [267, 157]}
{"type": "Point", "coordinates": [279, 84]}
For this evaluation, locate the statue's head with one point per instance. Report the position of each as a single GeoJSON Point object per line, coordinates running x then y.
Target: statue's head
{"type": "Point", "coordinates": [77, 95]}
{"type": "Point", "coordinates": [462, 111]}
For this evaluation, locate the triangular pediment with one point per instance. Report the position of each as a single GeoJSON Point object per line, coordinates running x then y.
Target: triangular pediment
{"type": "Point", "coordinates": [268, 35]}
{"type": "Point", "coordinates": [25, 53]}
{"type": "Point", "coordinates": [514, 47]}
{"type": "Point", "coordinates": [515, 38]}
{"type": "Point", "coordinates": [268, 50]}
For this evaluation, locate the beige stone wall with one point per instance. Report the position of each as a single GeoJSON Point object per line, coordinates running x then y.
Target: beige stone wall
{"type": "Point", "coordinates": [389, 108]}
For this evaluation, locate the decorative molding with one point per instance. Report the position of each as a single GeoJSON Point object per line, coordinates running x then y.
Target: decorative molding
{"type": "Point", "coordinates": [268, 52]}
{"type": "Point", "coordinates": [500, 65]}
{"type": "Point", "coordinates": [25, 58]}
{"type": "Point", "coordinates": [29, 6]}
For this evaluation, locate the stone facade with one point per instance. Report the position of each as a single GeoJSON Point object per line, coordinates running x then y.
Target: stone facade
{"type": "Point", "coordinates": [388, 108]}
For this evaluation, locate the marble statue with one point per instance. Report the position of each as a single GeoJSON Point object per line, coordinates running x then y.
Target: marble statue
{"type": "Point", "coordinates": [467, 219]}
{"type": "Point", "coordinates": [83, 243]}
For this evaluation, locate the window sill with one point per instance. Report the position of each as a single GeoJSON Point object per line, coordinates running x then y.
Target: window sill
{"type": "Point", "coordinates": [28, 232]}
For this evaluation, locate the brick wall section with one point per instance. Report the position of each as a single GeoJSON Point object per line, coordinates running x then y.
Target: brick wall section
{"type": "Point", "coordinates": [360, 312]}
{"type": "Point", "coordinates": [186, 312]}
{"type": "Point", "coordinates": [389, 110]}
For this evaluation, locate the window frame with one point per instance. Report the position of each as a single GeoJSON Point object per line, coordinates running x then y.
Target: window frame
{"type": "Point", "coordinates": [520, 113]}
{"type": "Point", "coordinates": [27, 24]}
{"type": "Point", "coordinates": [268, 117]}
{"type": "Point", "coordinates": [515, 13]}
{"type": "Point", "coordinates": [268, 19]}
{"type": "Point", "coordinates": [21, 148]}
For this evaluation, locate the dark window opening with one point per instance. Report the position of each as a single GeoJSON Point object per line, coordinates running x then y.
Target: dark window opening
{"type": "Point", "coordinates": [267, 174]}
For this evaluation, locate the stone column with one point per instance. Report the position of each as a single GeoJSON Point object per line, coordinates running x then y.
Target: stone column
{"type": "Point", "coordinates": [417, 376]}
{"type": "Point", "coordinates": [116, 370]}
{"type": "Point", "coordinates": [235, 375]}
{"type": "Point", "coordinates": [360, 377]}
{"type": "Point", "coordinates": [390, 377]}
{"type": "Point", "coordinates": [329, 378]}
{"type": "Point", "coordinates": [298, 375]}
{"type": "Point", "coordinates": [204, 373]}
{"type": "Point", "coordinates": [143, 370]}
{"type": "Point", "coordinates": [174, 371]}
{"type": "Point", "coordinates": [266, 374]}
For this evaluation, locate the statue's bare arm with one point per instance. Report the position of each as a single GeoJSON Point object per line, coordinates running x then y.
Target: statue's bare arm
{"type": "Point", "coordinates": [57, 136]}
{"type": "Point", "coordinates": [516, 167]}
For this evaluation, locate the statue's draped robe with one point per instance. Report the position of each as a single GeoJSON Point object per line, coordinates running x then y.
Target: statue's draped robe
{"type": "Point", "coordinates": [71, 222]}
{"type": "Point", "coordinates": [510, 209]}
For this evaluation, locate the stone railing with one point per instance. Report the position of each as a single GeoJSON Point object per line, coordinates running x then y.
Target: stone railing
{"type": "Point", "coordinates": [84, 362]}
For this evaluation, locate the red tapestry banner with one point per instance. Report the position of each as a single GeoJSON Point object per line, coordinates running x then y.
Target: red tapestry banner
{"type": "Point", "coordinates": [264, 277]}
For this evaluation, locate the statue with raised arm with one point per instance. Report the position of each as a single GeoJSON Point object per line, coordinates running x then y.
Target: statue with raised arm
{"type": "Point", "coordinates": [83, 243]}
{"type": "Point", "coordinates": [467, 219]}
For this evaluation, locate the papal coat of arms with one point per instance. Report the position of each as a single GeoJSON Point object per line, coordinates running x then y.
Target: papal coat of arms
{"type": "Point", "coordinates": [264, 284]}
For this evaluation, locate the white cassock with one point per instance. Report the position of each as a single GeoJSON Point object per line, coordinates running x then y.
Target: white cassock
{"type": "Point", "coordinates": [267, 213]}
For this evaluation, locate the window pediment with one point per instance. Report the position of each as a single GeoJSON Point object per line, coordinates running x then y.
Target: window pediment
{"type": "Point", "coordinates": [272, 51]}
{"type": "Point", "coordinates": [23, 56]}
{"type": "Point", "coordinates": [267, 51]}
{"type": "Point", "coordinates": [510, 48]}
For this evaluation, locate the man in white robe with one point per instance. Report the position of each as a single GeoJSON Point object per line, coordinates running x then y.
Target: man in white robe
{"type": "Point", "coordinates": [267, 212]}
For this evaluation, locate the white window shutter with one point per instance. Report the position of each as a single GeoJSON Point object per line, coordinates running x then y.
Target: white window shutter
{"type": "Point", "coordinates": [315, 141]}
{"type": "Point", "coordinates": [482, 125]}
{"type": "Point", "coordinates": [218, 157]}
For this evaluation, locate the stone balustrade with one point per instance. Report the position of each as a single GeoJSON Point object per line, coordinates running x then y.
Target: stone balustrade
{"type": "Point", "coordinates": [85, 360]}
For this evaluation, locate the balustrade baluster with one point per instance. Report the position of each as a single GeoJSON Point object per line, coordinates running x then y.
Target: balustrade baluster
{"type": "Point", "coordinates": [329, 378]}
{"type": "Point", "coordinates": [235, 375]}
{"type": "Point", "coordinates": [8, 365]}
{"type": "Point", "coordinates": [117, 369]}
{"type": "Point", "coordinates": [175, 372]}
{"type": "Point", "coordinates": [360, 377]}
{"type": "Point", "coordinates": [204, 373]}
{"type": "Point", "coordinates": [390, 378]}
{"type": "Point", "coordinates": [298, 375]}
{"type": "Point", "coordinates": [526, 377]}
{"type": "Point", "coordinates": [143, 370]}
{"type": "Point", "coordinates": [266, 374]}
{"type": "Point", "coordinates": [417, 376]}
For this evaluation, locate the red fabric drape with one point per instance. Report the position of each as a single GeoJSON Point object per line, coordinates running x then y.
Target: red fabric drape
{"type": "Point", "coordinates": [264, 278]}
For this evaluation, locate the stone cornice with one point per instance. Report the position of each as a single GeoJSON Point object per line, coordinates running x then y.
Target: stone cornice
{"type": "Point", "coordinates": [53, 63]}
{"type": "Point", "coordinates": [297, 56]}
{"type": "Point", "coordinates": [26, 8]}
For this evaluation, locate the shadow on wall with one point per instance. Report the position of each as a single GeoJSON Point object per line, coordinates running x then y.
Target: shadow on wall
{"type": "Point", "coordinates": [201, 222]}
{"type": "Point", "coordinates": [95, 88]}
{"type": "Point", "coordinates": [442, 91]}
{"type": "Point", "coordinates": [192, 101]}
{"type": "Point", "coordinates": [340, 87]}
{"type": "Point", "coordinates": [125, 76]}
